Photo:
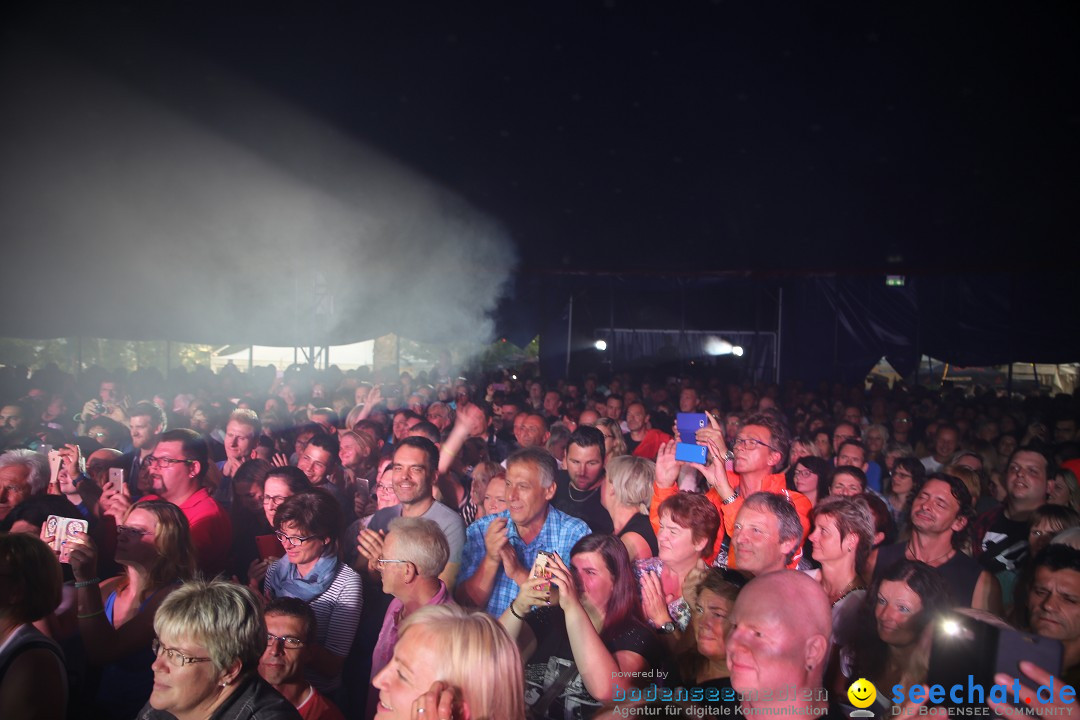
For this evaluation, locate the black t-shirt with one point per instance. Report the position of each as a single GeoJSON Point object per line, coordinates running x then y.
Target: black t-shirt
{"type": "Point", "coordinates": [960, 573]}
{"type": "Point", "coordinates": [582, 504]}
{"type": "Point", "coordinates": [640, 524]}
{"type": "Point", "coordinates": [553, 653]}
{"type": "Point", "coordinates": [1005, 545]}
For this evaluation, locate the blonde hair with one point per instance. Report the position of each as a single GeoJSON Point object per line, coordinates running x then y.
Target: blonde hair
{"type": "Point", "coordinates": [479, 659]}
{"type": "Point", "coordinates": [619, 442]}
{"type": "Point", "coordinates": [172, 538]}
{"type": "Point", "coordinates": [225, 617]}
{"type": "Point", "coordinates": [632, 479]}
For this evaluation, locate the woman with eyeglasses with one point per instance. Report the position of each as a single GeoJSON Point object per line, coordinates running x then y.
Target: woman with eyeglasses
{"type": "Point", "coordinates": [210, 637]}
{"type": "Point", "coordinates": [811, 477]}
{"type": "Point", "coordinates": [907, 476]}
{"type": "Point", "coordinates": [614, 442]}
{"type": "Point", "coordinates": [280, 483]}
{"type": "Point", "coordinates": [705, 664]}
{"type": "Point", "coordinates": [309, 526]}
{"type": "Point", "coordinates": [382, 497]}
{"type": "Point", "coordinates": [116, 617]}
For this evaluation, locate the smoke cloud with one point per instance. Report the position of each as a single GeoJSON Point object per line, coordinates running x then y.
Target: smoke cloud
{"type": "Point", "coordinates": [174, 200]}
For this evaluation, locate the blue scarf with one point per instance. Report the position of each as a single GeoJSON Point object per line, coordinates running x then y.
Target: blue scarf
{"type": "Point", "coordinates": [285, 580]}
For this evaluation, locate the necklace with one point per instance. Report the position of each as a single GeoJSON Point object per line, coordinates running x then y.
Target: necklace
{"type": "Point", "coordinates": [910, 551]}
{"type": "Point", "coordinates": [848, 589]}
{"type": "Point", "coordinates": [588, 493]}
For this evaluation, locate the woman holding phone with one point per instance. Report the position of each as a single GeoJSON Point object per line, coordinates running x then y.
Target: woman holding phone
{"type": "Point", "coordinates": [581, 630]}
{"type": "Point", "coordinates": [116, 616]}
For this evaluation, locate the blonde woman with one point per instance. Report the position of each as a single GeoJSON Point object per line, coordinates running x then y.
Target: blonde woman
{"type": "Point", "coordinates": [614, 442]}
{"type": "Point", "coordinates": [626, 495]}
{"type": "Point", "coordinates": [452, 664]}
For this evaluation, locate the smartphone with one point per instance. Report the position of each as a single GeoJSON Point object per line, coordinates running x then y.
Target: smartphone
{"type": "Point", "coordinates": [539, 568]}
{"type": "Point", "coordinates": [964, 646]}
{"type": "Point", "coordinates": [688, 452]}
{"type": "Point", "coordinates": [55, 461]}
{"type": "Point", "coordinates": [689, 423]}
{"type": "Point", "coordinates": [269, 547]}
{"type": "Point", "coordinates": [58, 532]}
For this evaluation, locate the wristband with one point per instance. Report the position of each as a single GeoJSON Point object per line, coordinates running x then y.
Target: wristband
{"type": "Point", "coordinates": [515, 613]}
{"type": "Point", "coordinates": [728, 501]}
{"type": "Point", "coordinates": [90, 615]}
{"type": "Point", "coordinates": [87, 583]}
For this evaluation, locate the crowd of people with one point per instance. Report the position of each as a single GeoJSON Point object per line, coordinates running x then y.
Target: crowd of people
{"type": "Point", "coordinates": [323, 544]}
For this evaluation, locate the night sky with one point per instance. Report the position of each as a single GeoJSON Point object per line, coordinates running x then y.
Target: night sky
{"type": "Point", "coordinates": [685, 136]}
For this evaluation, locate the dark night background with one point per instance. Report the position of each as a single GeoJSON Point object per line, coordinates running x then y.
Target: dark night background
{"type": "Point", "coordinates": [637, 152]}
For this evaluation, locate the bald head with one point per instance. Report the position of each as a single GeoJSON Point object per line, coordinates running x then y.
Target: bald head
{"type": "Point", "coordinates": [780, 637]}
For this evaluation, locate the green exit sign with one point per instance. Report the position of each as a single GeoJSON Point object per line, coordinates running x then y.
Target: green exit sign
{"type": "Point", "coordinates": [894, 280]}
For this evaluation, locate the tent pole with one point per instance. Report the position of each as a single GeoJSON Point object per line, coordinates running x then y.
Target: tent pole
{"type": "Point", "coordinates": [779, 333]}
{"type": "Point", "coordinates": [251, 358]}
{"type": "Point", "coordinates": [611, 323]}
{"type": "Point", "coordinates": [569, 329]}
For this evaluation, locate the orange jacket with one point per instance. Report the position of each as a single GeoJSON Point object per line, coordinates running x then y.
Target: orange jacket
{"type": "Point", "coordinates": [775, 483]}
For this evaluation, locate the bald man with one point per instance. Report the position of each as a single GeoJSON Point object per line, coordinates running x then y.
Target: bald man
{"type": "Point", "coordinates": [780, 640]}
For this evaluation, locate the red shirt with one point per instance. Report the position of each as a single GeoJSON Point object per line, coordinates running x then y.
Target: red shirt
{"type": "Point", "coordinates": [649, 447]}
{"type": "Point", "coordinates": [317, 707]}
{"type": "Point", "coordinates": [211, 531]}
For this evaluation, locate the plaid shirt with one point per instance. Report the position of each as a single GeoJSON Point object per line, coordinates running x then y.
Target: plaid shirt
{"type": "Point", "coordinates": [559, 533]}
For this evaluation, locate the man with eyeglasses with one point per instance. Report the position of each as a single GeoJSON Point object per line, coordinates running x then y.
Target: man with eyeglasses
{"type": "Point", "coordinates": [760, 452]}
{"type": "Point", "coordinates": [290, 628]}
{"type": "Point", "coordinates": [414, 554]}
{"type": "Point", "coordinates": [842, 433]}
{"type": "Point", "coordinates": [1001, 533]}
{"type": "Point", "coordinates": [901, 426]}
{"type": "Point", "coordinates": [177, 468]}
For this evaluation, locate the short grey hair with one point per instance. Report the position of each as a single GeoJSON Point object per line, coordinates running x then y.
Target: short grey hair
{"type": "Point", "coordinates": [36, 463]}
{"type": "Point", "coordinates": [632, 478]}
{"type": "Point", "coordinates": [422, 542]}
{"type": "Point", "coordinates": [225, 617]}
{"type": "Point", "coordinates": [540, 459]}
{"type": "Point", "coordinates": [875, 426]}
{"type": "Point", "coordinates": [787, 518]}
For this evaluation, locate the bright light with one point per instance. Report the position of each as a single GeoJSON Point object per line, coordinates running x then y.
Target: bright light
{"type": "Point", "coordinates": [737, 351]}
{"type": "Point", "coordinates": [513, 377]}
{"type": "Point", "coordinates": [601, 345]}
{"type": "Point", "coordinates": [716, 346]}
{"type": "Point", "coordinates": [951, 627]}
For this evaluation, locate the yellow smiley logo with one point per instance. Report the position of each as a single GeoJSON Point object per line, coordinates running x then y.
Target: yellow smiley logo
{"type": "Point", "coordinates": [862, 693]}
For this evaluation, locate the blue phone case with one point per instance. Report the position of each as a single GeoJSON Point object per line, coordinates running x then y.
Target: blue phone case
{"type": "Point", "coordinates": [689, 452]}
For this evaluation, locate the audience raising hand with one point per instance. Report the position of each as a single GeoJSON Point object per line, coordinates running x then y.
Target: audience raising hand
{"type": "Point", "coordinates": [659, 595]}
{"type": "Point", "coordinates": [116, 616]}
